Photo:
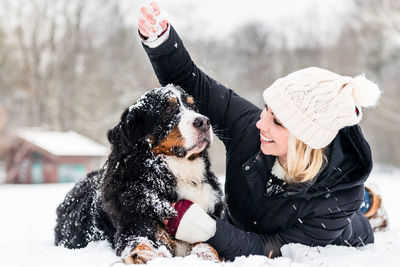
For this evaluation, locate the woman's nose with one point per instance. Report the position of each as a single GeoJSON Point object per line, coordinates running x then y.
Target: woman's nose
{"type": "Point", "coordinates": [261, 124]}
{"type": "Point", "coordinates": [258, 124]}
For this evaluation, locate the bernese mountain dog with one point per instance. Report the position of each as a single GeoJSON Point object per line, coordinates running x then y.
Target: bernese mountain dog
{"type": "Point", "coordinates": [158, 156]}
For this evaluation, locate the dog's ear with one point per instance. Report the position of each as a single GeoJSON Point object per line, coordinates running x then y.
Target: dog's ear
{"type": "Point", "coordinates": [128, 131]}
{"type": "Point", "coordinates": [113, 135]}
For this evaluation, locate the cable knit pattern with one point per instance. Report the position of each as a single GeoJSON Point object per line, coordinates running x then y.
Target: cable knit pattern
{"type": "Point", "coordinates": [314, 104]}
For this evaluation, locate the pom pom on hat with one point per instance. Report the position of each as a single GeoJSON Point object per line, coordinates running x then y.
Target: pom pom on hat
{"type": "Point", "coordinates": [314, 103]}
{"type": "Point", "coordinates": [365, 92]}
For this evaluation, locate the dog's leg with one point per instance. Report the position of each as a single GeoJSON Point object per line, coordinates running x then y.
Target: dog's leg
{"type": "Point", "coordinates": [74, 228]}
{"type": "Point", "coordinates": [205, 251]}
{"type": "Point", "coordinates": [177, 247]}
{"type": "Point", "coordinates": [141, 247]}
{"type": "Point", "coordinates": [144, 251]}
{"type": "Point", "coordinates": [165, 239]}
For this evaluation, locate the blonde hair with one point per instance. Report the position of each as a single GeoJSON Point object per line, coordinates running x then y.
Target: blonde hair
{"type": "Point", "coordinates": [303, 163]}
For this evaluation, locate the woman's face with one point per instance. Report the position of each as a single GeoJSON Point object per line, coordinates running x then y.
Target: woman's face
{"type": "Point", "coordinates": [273, 135]}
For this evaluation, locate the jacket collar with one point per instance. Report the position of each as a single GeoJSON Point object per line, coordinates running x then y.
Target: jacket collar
{"type": "Point", "coordinates": [349, 164]}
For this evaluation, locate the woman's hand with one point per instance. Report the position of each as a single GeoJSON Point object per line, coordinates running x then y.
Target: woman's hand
{"type": "Point", "coordinates": [192, 224]}
{"type": "Point", "coordinates": [152, 24]}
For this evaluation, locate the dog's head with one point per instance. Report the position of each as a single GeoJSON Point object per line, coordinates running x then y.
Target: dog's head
{"type": "Point", "coordinates": [166, 121]}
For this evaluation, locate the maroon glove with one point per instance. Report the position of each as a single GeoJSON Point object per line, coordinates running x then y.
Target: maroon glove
{"type": "Point", "coordinates": [192, 224]}
{"type": "Point", "coordinates": [181, 207]}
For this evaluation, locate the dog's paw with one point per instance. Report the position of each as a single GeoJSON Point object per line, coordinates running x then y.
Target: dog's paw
{"type": "Point", "coordinates": [141, 254]}
{"type": "Point", "coordinates": [144, 252]}
{"type": "Point", "coordinates": [205, 251]}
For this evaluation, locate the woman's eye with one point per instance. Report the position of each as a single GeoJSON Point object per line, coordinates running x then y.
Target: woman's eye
{"type": "Point", "coordinates": [169, 110]}
{"type": "Point", "coordinates": [277, 123]}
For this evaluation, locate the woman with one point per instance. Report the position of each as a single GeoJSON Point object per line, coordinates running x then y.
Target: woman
{"type": "Point", "coordinates": [295, 170]}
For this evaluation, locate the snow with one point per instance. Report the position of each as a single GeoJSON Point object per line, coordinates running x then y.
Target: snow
{"type": "Point", "coordinates": [169, 89]}
{"type": "Point", "coordinates": [63, 143]}
{"type": "Point", "coordinates": [28, 219]}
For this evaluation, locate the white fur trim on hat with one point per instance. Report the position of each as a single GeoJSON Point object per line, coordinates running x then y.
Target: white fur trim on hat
{"type": "Point", "coordinates": [314, 104]}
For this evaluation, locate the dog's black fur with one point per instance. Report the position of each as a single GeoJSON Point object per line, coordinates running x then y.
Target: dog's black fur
{"type": "Point", "coordinates": [130, 196]}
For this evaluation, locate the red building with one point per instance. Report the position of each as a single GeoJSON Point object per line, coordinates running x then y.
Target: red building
{"type": "Point", "coordinates": [38, 156]}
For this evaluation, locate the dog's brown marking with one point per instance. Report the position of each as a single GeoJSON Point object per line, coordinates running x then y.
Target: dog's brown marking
{"type": "Point", "coordinates": [141, 254]}
{"type": "Point", "coordinates": [205, 251]}
{"type": "Point", "coordinates": [173, 107]}
{"type": "Point", "coordinates": [172, 100]}
{"type": "Point", "coordinates": [173, 139]}
{"type": "Point", "coordinates": [190, 100]}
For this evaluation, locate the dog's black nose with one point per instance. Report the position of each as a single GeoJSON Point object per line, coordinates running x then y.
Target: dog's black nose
{"type": "Point", "coordinates": [202, 123]}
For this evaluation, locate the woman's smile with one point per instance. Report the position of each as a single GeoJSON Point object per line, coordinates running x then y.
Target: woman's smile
{"type": "Point", "coordinates": [273, 135]}
{"type": "Point", "coordinates": [265, 140]}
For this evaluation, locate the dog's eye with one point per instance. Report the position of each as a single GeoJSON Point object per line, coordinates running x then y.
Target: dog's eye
{"type": "Point", "coordinates": [169, 111]}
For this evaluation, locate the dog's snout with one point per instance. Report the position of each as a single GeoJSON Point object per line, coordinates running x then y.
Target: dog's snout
{"type": "Point", "coordinates": [202, 123]}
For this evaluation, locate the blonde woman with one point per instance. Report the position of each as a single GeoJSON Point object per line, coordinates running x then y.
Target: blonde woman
{"type": "Point", "coordinates": [295, 169]}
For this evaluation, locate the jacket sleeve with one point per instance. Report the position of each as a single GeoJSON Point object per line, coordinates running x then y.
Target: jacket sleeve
{"type": "Point", "coordinates": [231, 242]}
{"type": "Point", "coordinates": [311, 230]}
{"type": "Point", "coordinates": [227, 111]}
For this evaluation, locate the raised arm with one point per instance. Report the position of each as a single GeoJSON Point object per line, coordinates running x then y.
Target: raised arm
{"type": "Point", "coordinates": [229, 113]}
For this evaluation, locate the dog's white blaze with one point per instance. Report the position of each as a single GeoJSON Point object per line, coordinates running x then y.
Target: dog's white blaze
{"type": "Point", "coordinates": [185, 125]}
{"type": "Point", "coordinates": [190, 181]}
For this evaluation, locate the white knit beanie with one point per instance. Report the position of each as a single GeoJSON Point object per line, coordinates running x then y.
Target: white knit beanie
{"type": "Point", "coordinates": [314, 104]}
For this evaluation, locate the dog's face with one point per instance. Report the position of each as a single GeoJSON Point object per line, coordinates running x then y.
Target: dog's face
{"type": "Point", "coordinates": [166, 118]}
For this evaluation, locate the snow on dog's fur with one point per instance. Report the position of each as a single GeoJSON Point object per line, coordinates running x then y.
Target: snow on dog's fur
{"type": "Point", "coordinates": [158, 156]}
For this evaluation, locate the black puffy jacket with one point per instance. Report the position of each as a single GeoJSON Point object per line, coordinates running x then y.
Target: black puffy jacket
{"type": "Point", "coordinates": [326, 212]}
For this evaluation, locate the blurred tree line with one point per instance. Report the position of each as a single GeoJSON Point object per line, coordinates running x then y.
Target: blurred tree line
{"type": "Point", "coordinates": [75, 65]}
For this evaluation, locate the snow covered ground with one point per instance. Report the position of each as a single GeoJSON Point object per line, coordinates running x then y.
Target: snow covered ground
{"type": "Point", "coordinates": [28, 218]}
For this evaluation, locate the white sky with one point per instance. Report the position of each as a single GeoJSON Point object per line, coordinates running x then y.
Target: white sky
{"type": "Point", "coordinates": [296, 19]}
{"type": "Point", "coordinates": [217, 18]}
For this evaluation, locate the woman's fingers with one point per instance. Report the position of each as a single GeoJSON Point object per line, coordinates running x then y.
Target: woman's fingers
{"type": "Point", "coordinates": [157, 13]}
{"type": "Point", "coordinates": [143, 27]}
{"type": "Point", "coordinates": [151, 23]}
{"type": "Point", "coordinates": [164, 24]}
{"type": "Point", "coordinates": [155, 8]}
{"type": "Point", "coordinates": [147, 15]}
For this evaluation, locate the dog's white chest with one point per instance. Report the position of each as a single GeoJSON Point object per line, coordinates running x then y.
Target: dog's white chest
{"type": "Point", "coordinates": [191, 183]}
